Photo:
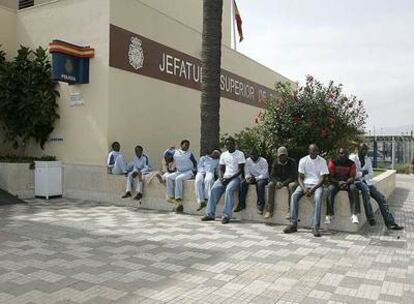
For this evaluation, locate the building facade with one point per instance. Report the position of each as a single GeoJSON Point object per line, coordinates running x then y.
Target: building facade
{"type": "Point", "coordinates": [144, 78]}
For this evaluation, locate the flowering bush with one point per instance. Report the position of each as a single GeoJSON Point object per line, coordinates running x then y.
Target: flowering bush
{"type": "Point", "coordinates": [312, 113]}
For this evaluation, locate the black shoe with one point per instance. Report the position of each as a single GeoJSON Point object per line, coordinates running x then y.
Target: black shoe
{"type": "Point", "coordinates": [225, 220]}
{"type": "Point", "coordinates": [138, 197]}
{"type": "Point", "coordinates": [206, 218]}
{"type": "Point", "coordinates": [239, 208]}
{"type": "Point", "coordinates": [202, 206]}
{"type": "Point", "coordinates": [372, 222]}
{"type": "Point", "coordinates": [315, 232]}
{"type": "Point", "coordinates": [179, 209]}
{"type": "Point", "coordinates": [128, 194]}
{"type": "Point", "coordinates": [395, 227]}
{"type": "Point", "coordinates": [290, 229]}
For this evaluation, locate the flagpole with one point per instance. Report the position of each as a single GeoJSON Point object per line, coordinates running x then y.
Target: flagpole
{"type": "Point", "coordinates": [234, 25]}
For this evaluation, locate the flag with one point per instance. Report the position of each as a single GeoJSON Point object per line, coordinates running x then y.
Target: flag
{"type": "Point", "coordinates": [238, 21]}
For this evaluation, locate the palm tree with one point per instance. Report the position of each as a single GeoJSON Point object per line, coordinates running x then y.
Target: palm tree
{"type": "Point", "coordinates": [210, 85]}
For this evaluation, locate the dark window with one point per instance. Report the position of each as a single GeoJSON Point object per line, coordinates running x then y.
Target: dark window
{"type": "Point", "coordinates": [25, 3]}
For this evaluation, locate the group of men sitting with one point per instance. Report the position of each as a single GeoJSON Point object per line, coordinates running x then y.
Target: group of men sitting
{"type": "Point", "coordinates": [224, 173]}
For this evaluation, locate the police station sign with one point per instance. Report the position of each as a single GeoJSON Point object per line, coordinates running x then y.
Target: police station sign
{"type": "Point", "coordinates": [137, 54]}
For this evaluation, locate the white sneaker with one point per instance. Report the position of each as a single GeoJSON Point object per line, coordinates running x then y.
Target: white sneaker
{"type": "Point", "coordinates": [328, 220]}
{"type": "Point", "coordinates": [354, 219]}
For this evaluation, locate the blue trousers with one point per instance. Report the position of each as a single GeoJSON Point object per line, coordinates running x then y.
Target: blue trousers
{"type": "Point", "coordinates": [294, 206]}
{"type": "Point", "coordinates": [216, 193]}
{"type": "Point", "coordinates": [366, 198]}
{"type": "Point", "coordinates": [383, 205]}
{"type": "Point", "coordinates": [260, 192]}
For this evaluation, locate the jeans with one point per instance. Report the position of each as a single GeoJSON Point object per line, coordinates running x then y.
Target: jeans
{"type": "Point", "coordinates": [352, 194]}
{"type": "Point", "coordinates": [216, 193]}
{"type": "Point", "coordinates": [179, 178]}
{"type": "Point", "coordinates": [260, 192]}
{"type": "Point", "coordinates": [383, 205]}
{"type": "Point", "coordinates": [366, 199]}
{"type": "Point", "coordinates": [203, 183]}
{"type": "Point", "coordinates": [270, 205]}
{"type": "Point", "coordinates": [294, 207]}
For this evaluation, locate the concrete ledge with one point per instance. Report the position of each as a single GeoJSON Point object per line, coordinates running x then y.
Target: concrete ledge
{"type": "Point", "coordinates": [92, 183]}
{"type": "Point", "coordinates": [17, 178]}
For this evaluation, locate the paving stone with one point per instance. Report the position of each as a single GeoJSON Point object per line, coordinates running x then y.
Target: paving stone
{"type": "Point", "coordinates": [71, 252]}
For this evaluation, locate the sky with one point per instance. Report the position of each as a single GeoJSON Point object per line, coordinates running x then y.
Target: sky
{"type": "Point", "coordinates": [367, 45]}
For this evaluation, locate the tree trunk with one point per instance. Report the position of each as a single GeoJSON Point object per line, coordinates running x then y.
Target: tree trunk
{"type": "Point", "coordinates": [210, 85]}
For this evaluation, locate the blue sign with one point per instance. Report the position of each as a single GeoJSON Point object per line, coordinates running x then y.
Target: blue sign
{"type": "Point", "coordinates": [70, 69]}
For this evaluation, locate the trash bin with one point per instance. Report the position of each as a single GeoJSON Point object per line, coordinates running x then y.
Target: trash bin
{"type": "Point", "coordinates": [48, 179]}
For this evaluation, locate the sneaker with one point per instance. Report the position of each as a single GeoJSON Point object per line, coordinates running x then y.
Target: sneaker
{"type": "Point", "coordinates": [171, 200]}
{"type": "Point", "coordinates": [159, 177]}
{"type": "Point", "coordinates": [179, 209]}
{"type": "Point", "coordinates": [202, 206]}
{"type": "Point", "coordinates": [206, 218]}
{"type": "Point", "coordinates": [225, 220]}
{"type": "Point", "coordinates": [328, 220]}
{"type": "Point", "coordinates": [260, 212]}
{"type": "Point", "coordinates": [267, 215]}
{"type": "Point", "coordinates": [138, 197]}
{"type": "Point", "coordinates": [354, 219]}
{"type": "Point", "coordinates": [395, 227]}
{"type": "Point", "coordinates": [239, 208]}
{"type": "Point", "coordinates": [290, 229]}
{"type": "Point", "coordinates": [128, 194]}
{"type": "Point", "coordinates": [372, 222]}
{"type": "Point", "coordinates": [315, 232]}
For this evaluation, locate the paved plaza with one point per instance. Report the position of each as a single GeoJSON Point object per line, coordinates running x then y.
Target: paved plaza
{"type": "Point", "coordinates": [64, 251]}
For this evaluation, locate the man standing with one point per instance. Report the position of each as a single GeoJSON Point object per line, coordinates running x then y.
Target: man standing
{"type": "Point", "coordinates": [284, 174]}
{"type": "Point", "coordinates": [312, 171]}
{"type": "Point", "coordinates": [231, 169]}
{"type": "Point", "coordinates": [115, 162]}
{"type": "Point", "coordinates": [140, 166]}
{"type": "Point", "coordinates": [365, 172]}
{"type": "Point", "coordinates": [186, 165]}
{"type": "Point", "coordinates": [256, 173]}
{"type": "Point", "coordinates": [206, 175]}
{"type": "Point", "coordinates": [342, 174]}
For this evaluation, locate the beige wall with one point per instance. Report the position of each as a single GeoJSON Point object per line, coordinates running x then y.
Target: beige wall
{"type": "Point", "coordinates": [9, 3]}
{"type": "Point", "coordinates": [83, 128]}
{"type": "Point", "coordinates": [123, 106]}
{"type": "Point", "coordinates": [8, 31]}
{"type": "Point", "coordinates": [192, 15]}
{"type": "Point", "coordinates": [156, 114]}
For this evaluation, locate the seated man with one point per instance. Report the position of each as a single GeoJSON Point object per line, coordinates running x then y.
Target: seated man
{"type": "Point", "coordinates": [116, 163]}
{"type": "Point", "coordinates": [140, 166]}
{"type": "Point", "coordinates": [206, 175]}
{"type": "Point", "coordinates": [231, 169]}
{"type": "Point", "coordinates": [256, 173]}
{"type": "Point", "coordinates": [185, 165]}
{"type": "Point", "coordinates": [312, 171]}
{"type": "Point", "coordinates": [341, 177]}
{"type": "Point", "coordinates": [365, 174]}
{"type": "Point", "coordinates": [284, 174]}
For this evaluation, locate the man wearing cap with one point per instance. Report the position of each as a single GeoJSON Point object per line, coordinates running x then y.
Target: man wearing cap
{"type": "Point", "coordinates": [284, 174]}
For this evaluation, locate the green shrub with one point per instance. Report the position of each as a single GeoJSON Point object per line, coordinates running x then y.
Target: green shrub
{"type": "Point", "coordinates": [297, 117]}
{"type": "Point", "coordinates": [28, 106]}
{"type": "Point", "coordinates": [403, 168]}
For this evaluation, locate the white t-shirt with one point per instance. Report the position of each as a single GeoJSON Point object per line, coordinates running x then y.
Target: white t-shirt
{"type": "Point", "coordinates": [313, 169]}
{"type": "Point", "coordinates": [232, 162]}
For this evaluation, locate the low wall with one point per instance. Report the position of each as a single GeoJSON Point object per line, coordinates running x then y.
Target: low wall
{"type": "Point", "coordinates": [92, 183]}
{"type": "Point", "coordinates": [17, 179]}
